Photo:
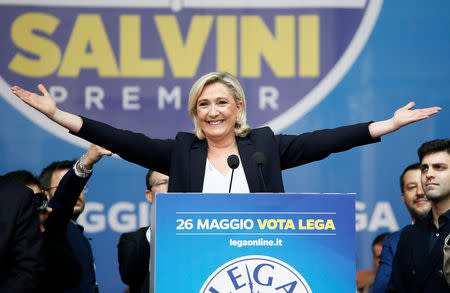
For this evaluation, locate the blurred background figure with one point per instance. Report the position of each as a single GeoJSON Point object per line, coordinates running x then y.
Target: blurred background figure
{"type": "Point", "coordinates": [418, 206]}
{"type": "Point", "coordinates": [418, 262]}
{"type": "Point", "coordinates": [21, 254]}
{"type": "Point", "coordinates": [134, 247]}
{"type": "Point", "coordinates": [365, 278]}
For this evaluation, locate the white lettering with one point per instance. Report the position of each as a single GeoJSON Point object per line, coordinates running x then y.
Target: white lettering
{"type": "Point", "coordinates": [361, 218]}
{"type": "Point", "coordinates": [122, 222]}
{"type": "Point", "coordinates": [92, 218]}
{"type": "Point", "coordinates": [130, 98]}
{"type": "Point", "coordinates": [94, 95]}
{"type": "Point", "coordinates": [121, 216]}
{"type": "Point", "coordinates": [225, 224]}
{"type": "Point", "coordinates": [383, 217]}
{"type": "Point", "coordinates": [173, 97]}
{"type": "Point", "coordinates": [268, 95]}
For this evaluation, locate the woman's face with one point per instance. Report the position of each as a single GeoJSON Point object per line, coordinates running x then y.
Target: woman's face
{"type": "Point", "coordinates": [217, 111]}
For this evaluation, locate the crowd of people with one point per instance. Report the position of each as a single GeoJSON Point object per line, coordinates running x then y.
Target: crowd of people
{"type": "Point", "coordinates": [417, 257]}
{"type": "Point", "coordinates": [198, 162]}
{"type": "Point", "coordinates": [46, 250]}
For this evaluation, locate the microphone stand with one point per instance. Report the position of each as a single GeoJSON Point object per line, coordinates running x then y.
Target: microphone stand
{"type": "Point", "coordinates": [231, 181]}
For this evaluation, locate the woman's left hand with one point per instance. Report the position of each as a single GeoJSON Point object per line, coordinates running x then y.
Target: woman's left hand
{"type": "Point", "coordinates": [405, 115]}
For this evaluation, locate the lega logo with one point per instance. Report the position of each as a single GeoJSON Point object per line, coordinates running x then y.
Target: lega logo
{"type": "Point", "coordinates": [133, 67]}
{"type": "Point", "coordinates": [255, 274]}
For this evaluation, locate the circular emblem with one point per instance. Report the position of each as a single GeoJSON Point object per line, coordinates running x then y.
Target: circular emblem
{"type": "Point", "coordinates": [286, 62]}
{"type": "Point", "coordinates": [255, 274]}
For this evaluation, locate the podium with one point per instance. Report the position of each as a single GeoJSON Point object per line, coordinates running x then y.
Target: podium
{"type": "Point", "coordinates": [223, 243]}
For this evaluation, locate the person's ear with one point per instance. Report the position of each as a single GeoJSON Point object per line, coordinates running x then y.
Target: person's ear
{"type": "Point", "coordinates": [149, 196]}
{"type": "Point", "coordinates": [239, 106]}
{"type": "Point", "coordinates": [47, 194]}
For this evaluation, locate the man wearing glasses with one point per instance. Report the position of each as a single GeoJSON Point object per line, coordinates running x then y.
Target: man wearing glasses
{"type": "Point", "coordinates": [64, 183]}
{"type": "Point", "coordinates": [134, 247]}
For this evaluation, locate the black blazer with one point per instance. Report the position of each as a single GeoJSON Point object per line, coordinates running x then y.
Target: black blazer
{"type": "Point", "coordinates": [64, 262]}
{"type": "Point", "coordinates": [21, 254]}
{"type": "Point", "coordinates": [76, 272]}
{"type": "Point", "coordinates": [134, 255]}
{"type": "Point", "coordinates": [183, 159]}
{"type": "Point", "coordinates": [414, 269]}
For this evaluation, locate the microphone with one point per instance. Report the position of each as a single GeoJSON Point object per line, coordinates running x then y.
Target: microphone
{"type": "Point", "coordinates": [233, 163]}
{"type": "Point", "coordinates": [259, 159]}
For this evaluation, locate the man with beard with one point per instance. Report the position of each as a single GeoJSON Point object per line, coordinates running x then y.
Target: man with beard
{"type": "Point", "coordinates": [418, 206]}
{"type": "Point", "coordinates": [418, 265]}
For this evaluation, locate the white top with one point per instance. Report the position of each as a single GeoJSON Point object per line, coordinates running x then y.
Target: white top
{"type": "Point", "coordinates": [215, 182]}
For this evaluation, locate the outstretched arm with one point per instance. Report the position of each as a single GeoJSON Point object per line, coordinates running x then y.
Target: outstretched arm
{"type": "Point", "coordinates": [403, 116]}
{"type": "Point", "coordinates": [134, 147]}
{"type": "Point", "coordinates": [47, 106]}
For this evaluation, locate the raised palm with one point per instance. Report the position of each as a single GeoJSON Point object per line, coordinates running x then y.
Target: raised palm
{"type": "Point", "coordinates": [405, 115]}
{"type": "Point", "coordinates": [44, 104]}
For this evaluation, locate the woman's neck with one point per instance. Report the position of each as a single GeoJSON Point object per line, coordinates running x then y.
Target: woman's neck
{"type": "Point", "coordinates": [218, 154]}
{"type": "Point", "coordinates": [222, 144]}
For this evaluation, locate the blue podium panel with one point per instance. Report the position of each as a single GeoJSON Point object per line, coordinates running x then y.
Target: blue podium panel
{"type": "Point", "coordinates": [222, 243]}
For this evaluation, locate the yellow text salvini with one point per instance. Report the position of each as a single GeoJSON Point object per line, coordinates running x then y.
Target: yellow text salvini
{"type": "Point", "coordinates": [242, 42]}
{"type": "Point", "coordinates": [303, 224]}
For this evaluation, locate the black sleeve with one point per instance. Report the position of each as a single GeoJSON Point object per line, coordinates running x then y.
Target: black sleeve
{"type": "Point", "coordinates": [134, 147]}
{"type": "Point", "coordinates": [396, 283]}
{"type": "Point", "coordinates": [134, 257]}
{"type": "Point", "coordinates": [296, 150]}
{"type": "Point", "coordinates": [63, 268]}
{"type": "Point", "coordinates": [64, 199]}
{"type": "Point", "coordinates": [24, 260]}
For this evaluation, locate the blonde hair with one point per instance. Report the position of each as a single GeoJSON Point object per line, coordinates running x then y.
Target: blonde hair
{"type": "Point", "coordinates": [241, 128]}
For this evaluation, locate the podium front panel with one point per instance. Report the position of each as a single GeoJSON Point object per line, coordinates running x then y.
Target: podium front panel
{"type": "Point", "coordinates": [222, 243]}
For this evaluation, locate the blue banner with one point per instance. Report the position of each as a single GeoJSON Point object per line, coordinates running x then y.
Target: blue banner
{"type": "Point", "coordinates": [253, 243]}
{"type": "Point", "coordinates": [304, 65]}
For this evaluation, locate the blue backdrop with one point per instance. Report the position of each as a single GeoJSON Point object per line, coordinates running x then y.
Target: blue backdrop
{"type": "Point", "coordinates": [405, 58]}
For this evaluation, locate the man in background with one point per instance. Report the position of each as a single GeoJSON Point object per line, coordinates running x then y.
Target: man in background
{"type": "Point", "coordinates": [134, 247]}
{"type": "Point", "coordinates": [29, 180]}
{"type": "Point", "coordinates": [365, 278]}
{"type": "Point", "coordinates": [21, 256]}
{"type": "Point", "coordinates": [418, 206]}
{"type": "Point", "coordinates": [418, 262]}
{"type": "Point", "coordinates": [64, 183]}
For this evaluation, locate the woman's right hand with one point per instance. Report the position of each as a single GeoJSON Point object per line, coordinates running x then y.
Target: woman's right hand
{"type": "Point", "coordinates": [44, 104]}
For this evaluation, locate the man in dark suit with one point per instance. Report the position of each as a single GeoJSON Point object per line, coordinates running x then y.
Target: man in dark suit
{"type": "Point", "coordinates": [21, 257]}
{"type": "Point", "coordinates": [418, 263]}
{"type": "Point", "coordinates": [134, 247]}
{"type": "Point", "coordinates": [418, 206]}
{"type": "Point", "coordinates": [64, 183]}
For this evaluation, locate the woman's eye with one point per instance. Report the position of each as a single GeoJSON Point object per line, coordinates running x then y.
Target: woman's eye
{"type": "Point", "coordinates": [202, 104]}
{"type": "Point", "coordinates": [223, 102]}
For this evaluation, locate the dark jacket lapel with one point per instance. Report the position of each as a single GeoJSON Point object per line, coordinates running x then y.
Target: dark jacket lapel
{"type": "Point", "coordinates": [246, 151]}
{"type": "Point", "coordinates": [198, 162]}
